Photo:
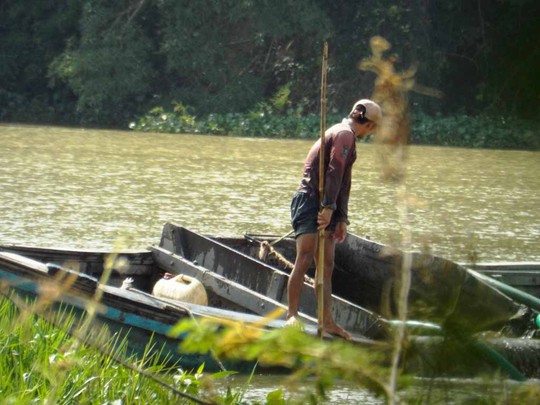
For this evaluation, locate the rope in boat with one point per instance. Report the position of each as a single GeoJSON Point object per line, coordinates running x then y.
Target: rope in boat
{"type": "Point", "coordinates": [267, 249]}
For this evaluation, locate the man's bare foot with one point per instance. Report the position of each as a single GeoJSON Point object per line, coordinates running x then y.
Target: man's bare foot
{"type": "Point", "coordinates": [336, 330]}
{"type": "Point", "coordinates": [294, 321]}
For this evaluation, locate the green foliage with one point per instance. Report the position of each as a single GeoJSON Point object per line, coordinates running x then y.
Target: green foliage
{"type": "Point", "coordinates": [228, 64]}
{"type": "Point", "coordinates": [110, 67]}
{"type": "Point", "coordinates": [262, 122]}
{"type": "Point", "coordinates": [309, 357]}
{"type": "Point", "coordinates": [490, 132]}
{"type": "Point", "coordinates": [40, 362]}
{"type": "Point", "coordinates": [31, 36]}
{"type": "Point", "coordinates": [101, 63]}
{"type": "Point", "coordinates": [489, 64]}
{"type": "Point", "coordinates": [266, 121]}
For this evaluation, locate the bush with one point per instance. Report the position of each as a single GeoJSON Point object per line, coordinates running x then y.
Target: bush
{"type": "Point", "coordinates": [266, 121]}
{"type": "Point", "coordinates": [263, 122]}
{"type": "Point", "coordinates": [475, 132]}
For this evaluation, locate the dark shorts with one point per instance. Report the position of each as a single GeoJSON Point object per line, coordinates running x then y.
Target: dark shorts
{"type": "Point", "coordinates": [304, 210]}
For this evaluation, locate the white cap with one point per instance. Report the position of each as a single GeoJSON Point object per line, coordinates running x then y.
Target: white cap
{"type": "Point", "coordinates": [373, 111]}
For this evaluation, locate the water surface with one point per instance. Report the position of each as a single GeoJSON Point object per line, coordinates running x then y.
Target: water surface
{"type": "Point", "coordinates": [93, 189]}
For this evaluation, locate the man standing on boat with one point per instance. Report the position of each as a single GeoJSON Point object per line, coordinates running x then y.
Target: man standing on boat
{"type": "Point", "coordinates": [309, 216]}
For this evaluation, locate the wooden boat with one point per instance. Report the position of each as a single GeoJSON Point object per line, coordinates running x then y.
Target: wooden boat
{"type": "Point", "coordinates": [25, 269]}
{"type": "Point", "coordinates": [135, 316]}
{"type": "Point", "coordinates": [524, 276]}
{"type": "Point", "coordinates": [239, 284]}
{"type": "Point", "coordinates": [442, 292]}
{"type": "Point", "coordinates": [216, 259]}
{"type": "Point", "coordinates": [235, 277]}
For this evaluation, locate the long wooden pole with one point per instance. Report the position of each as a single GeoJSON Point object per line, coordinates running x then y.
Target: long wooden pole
{"type": "Point", "coordinates": [320, 245]}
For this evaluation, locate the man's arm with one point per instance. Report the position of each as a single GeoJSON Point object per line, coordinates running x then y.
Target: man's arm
{"type": "Point", "coordinates": [342, 145]}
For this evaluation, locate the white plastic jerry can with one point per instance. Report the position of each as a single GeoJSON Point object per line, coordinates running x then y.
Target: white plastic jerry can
{"type": "Point", "coordinates": [181, 288]}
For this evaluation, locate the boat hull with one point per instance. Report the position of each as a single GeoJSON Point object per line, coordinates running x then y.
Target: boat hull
{"type": "Point", "coordinates": [129, 316]}
{"type": "Point", "coordinates": [182, 250]}
{"type": "Point", "coordinates": [368, 274]}
{"type": "Point", "coordinates": [141, 318]}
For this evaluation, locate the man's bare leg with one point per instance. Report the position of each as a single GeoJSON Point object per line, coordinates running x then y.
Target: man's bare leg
{"type": "Point", "coordinates": [305, 249]}
{"type": "Point", "coordinates": [330, 326]}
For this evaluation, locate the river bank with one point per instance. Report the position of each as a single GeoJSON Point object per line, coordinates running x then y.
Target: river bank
{"type": "Point", "coordinates": [460, 130]}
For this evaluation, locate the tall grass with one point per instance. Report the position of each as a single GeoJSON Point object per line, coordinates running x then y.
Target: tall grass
{"type": "Point", "coordinates": [41, 362]}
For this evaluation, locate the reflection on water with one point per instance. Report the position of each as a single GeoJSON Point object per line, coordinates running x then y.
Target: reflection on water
{"type": "Point", "coordinates": [88, 188]}
{"type": "Point", "coordinates": [450, 391]}
{"type": "Point", "coordinates": [257, 387]}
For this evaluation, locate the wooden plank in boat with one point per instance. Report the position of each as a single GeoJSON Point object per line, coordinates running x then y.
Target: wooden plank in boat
{"type": "Point", "coordinates": [211, 255]}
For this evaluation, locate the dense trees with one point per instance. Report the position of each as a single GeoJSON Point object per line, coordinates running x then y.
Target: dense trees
{"type": "Point", "coordinates": [98, 62]}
